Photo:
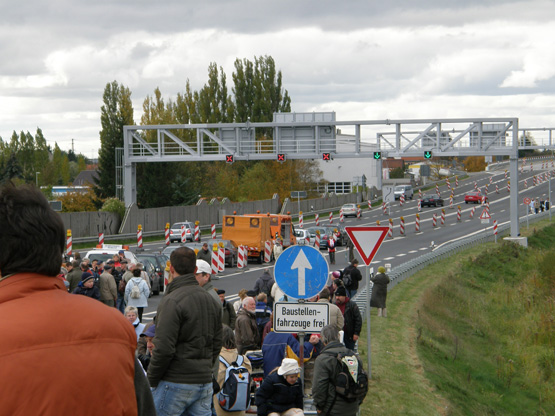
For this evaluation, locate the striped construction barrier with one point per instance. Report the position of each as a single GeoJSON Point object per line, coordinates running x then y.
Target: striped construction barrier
{"type": "Point", "coordinates": [167, 233]}
{"type": "Point", "coordinates": [213, 230]}
{"type": "Point", "coordinates": [300, 219]}
{"type": "Point", "coordinates": [100, 238]}
{"type": "Point", "coordinates": [69, 243]}
{"type": "Point", "coordinates": [183, 234]}
{"type": "Point", "coordinates": [458, 213]}
{"type": "Point", "coordinates": [317, 240]}
{"type": "Point", "coordinates": [442, 216]}
{"type": "Point", "coordinates": [472, 212]}
{"type": "Point", "coordinates": [341, 216]}
{"type": "Point", "coordinates": [419, 205]}
{"type": "Point", "coordinates": [434, 220]}
{"type": "Point", "coordinates": [331, 217]}
{"type": "Point", "coordinates": [417, 223]}
{"type": "Point", "coordinates": [242, 257]}
{"type": "Point", "coordinates": [317, 219]}
{"type": "Point", "coordinates": [214, 263]}
{"type": "Point", "coordinates": [402, 226]}
{"type": "Point", "coordinates": [197, 232]}
{"type": "Point", "coordinates": [267, 251]}
{"type": "Point", "coordinates": [140, 236]}
{"type": "Point", "coordinates": [221, 259]}
{"type": "Point", "coordinates": [390, 232]}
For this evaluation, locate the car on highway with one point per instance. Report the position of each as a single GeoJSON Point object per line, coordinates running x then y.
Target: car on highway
{"type": "Point", "coordinates": [474, 197]}
{"type": "Point", "coordinates": [304, 237]}
{"type": "Point", "coordinates": [156, 281]}
{"type": "Point", "coordinates": [431, 201]}
{"type": "Point", "coordinates": [105, 252]}
{"type": "Point", "coordinates": [349, 210]}
{"type": "Point", "coordinates": [158, 263]}
{"type": "Point", "coordinates": [175, 231]}
{"type": "Point", "coordinates": [403, 190]}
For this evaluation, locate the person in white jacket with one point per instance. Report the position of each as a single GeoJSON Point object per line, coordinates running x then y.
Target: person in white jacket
{"type": "Point", "coordinates": [144, 292]}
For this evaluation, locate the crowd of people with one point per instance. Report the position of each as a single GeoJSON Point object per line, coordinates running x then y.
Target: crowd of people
{"type": "Point", "coordinates": [177, 364]}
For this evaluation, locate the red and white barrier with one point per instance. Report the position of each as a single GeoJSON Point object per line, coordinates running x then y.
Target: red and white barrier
{"type": "Point", "coordinates": [420, 194]}
{"type": "Point", "coordinates": [183, 234]}
{"type": "Point", "coordinates": [419, 205]}
{"type": "Point", "coordinates": [506, 173]}
{"type": "Point", "coordinates": [456, 181]}
{"type": "Point", "coordinates": [369, 205]}
{"type": "Point", "coordinates": [140, 236]}
{"type": "Point", "coordinates": [213, 230]}
{"type": "Point", "coordinates": [451, 202]}
{"type": "Point", "coordinates": [508, 186]}
{"type": "Point", "coordinates": [242, 257]}
{"type": "Point", "coordinates": [267, 251]}
{"type": "Point", "coordinates": [221, 259]}
{"type": "Point", "coordinates": [458, 213]}
{"type": "Point", "coordinates": [100, 238]}
{"type": "Point", "coordinates": [417, 223]}
{"type": "Point", "coordinates": [434, 220]}
{"type": "Point", "coordinates": [437, 189]}
{"type": "Point", "coordinates": [167, 233]}
{"type": "Point", "coordinates": [359, 211]}
{"type": "Point", "coordinates": [384, 208]}
{"type": "Point", "coordinates": [300, 219]}
{"type": "Point", "coordinates": [525, 183]}
{"type": "Point", "coordinates": [341, 217]}
{"type": "Point", "coordinates": [494, 227]}
{"type": "Point", "coordinates": [69, 243]}
{"type": "Point", "coordinates": [197, 232]}
{"type": "Point", "coordinates": [317, 219]}
{"type": "Point", "coordinates": [402, 199]}
{"type": "Point", "coordinates": [214, 264]}
{"type": "Point", "coordinates": [317, 241]}
{"type": "Point", "coordinates": [472, 212]}
{"type": "Point", "coordinates": [496, 189]}
{"type": "Point", "coordinates": [475, 186]}
{"type": "Point", "coordinates": [331, 217]}
{"type": "Point", "coordinates": [402, 226]}
{"type": "Point", "coordinates": [390, 232]}
{"type": "Point", "coordinates": [535, 180]}
{"type": "Point", "coordinates": [442, 217]}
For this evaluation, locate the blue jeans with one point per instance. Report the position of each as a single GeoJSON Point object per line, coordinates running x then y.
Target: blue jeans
{"type": "Point", "coordinates": [183, 399]}
{"type": "Point", "coordinates": [120, 304]}
{"type": "Point", "coordinates": [351, 293]}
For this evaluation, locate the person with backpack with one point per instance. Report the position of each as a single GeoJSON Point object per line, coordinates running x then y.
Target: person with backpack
{"type": "Point", "coordinates": [281, 392]}
{"type": "Point", "coordinates": [351, 276]}
{"type": "Point", "coordinates": [334, 390]}
{"type": "Point", "coordinates": [137, 292]}
{"type": "Point", "coordinates": [233, 379]}
{"type": "Point", "coordinates": [264, 284]}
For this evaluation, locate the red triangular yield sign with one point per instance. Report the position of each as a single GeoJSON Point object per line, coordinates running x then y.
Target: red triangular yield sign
{"type": "Point", "coordinates": [367, 240]}
{"type": "Point", "coordinates": [485, 215]}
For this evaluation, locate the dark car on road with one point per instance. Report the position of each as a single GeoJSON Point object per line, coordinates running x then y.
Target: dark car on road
{"type": "Point", "coordinates": [431, 201]}
{"type": "Point", "coordinates": [158, 262]}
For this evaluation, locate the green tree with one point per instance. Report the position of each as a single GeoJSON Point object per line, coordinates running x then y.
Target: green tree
{"type": "Point", "coordinates": [116, 112]}
{"type": "Point", "coordinates": [13, 169]}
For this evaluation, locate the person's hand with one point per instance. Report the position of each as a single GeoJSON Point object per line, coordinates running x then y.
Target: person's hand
{"type": "Point", "coordinates": [314, 339]}
{"type": "Point", "coordinates": [355, 337]}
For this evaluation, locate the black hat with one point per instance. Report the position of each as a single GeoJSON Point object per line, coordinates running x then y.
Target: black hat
{"type": "Point", "coordinates": [341, 291]}
{"type": "Point", "coordinates": [220, 292]}
{"type": "Point", "coordinates": [251, 293]}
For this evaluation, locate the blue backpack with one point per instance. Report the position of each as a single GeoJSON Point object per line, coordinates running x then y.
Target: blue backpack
{"type": "Point", "coordinates": [234, 395]}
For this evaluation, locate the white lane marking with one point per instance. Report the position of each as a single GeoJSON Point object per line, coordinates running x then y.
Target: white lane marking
{"type": "Point", "coordinates": [401, 255]}
{"type": "Point", "coordinates": [389, 258]}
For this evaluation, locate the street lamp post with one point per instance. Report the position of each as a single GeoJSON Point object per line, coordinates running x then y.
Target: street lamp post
{"type": "Point", "coordinates": [37, 178]}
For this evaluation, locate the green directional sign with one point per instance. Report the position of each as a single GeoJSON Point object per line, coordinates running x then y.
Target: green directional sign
{"type": "Point", "coordinates": [377, 155]}
{"type": "Point", "coordinates": [428, 154]}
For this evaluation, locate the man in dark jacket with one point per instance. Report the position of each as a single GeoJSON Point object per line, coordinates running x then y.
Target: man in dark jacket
{"type": "Point", "coordinates": [354, 276]}
{"type": "Point", "coordinates": [246, 330]}
{"type": "Point", "coordinates": [326, 400]}
{"type": "Point", "coordinates": [188, 342]}
{"type": "Point", "coordinates": [205, 254]}
{"type": "Point", "coordinates": [353, 319]}
{"type": "Point", "coordinates": [264, 284]}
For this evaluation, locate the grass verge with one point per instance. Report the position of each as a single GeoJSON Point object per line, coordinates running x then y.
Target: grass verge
{"type": "Point", "coordinates": [470, 335]}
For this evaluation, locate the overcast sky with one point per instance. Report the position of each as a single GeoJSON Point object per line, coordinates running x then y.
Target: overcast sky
{"type": "Point", "coordinates": [365, 60]}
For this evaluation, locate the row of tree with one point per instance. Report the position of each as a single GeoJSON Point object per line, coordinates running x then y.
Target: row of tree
{"type": "Point", "coordinates": [29, 159]}
{"type": "Point", "coordinates": [256, 95]}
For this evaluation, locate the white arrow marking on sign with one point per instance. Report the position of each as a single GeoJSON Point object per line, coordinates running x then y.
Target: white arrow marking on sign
{"type": "Point", "coordinates": [301, 263]}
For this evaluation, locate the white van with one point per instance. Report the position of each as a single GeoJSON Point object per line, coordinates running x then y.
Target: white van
{"type": "Point", "coordinates": [403, 190]}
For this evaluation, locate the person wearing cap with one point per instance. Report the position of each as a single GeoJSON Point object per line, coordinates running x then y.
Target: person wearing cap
{"type": "Point", "coordinates": [188, 342]}
{"type": "Point", "coordinates": [228, 316]}
{"type": "Point", "coordinates": [205, 254]}
{"type": "Point", "coordinates": [379, 291]}
{"type": "Point", "coordinates": [326, 370]}
{"type": "Point", "coordinates": [148, 335]}
{"type": "Point", "coordinates": [335, 315]}
{"type": "Point", "coordinates": [351, 313]}
{"type": "Point", "coordinates": [107, 287]}
{"type": "Point", "coordinates": [85, 362]}
{"type": "Point", "coordinates": [74, 275]}
{"type": "Point", "coordinates": [356, 276]}
{"type": "Point", "coordinates": [87, 287]}
{"type": "Point", "coordinates": [281, 392]}
{"type": "Point", "coordinates": [203, 276]}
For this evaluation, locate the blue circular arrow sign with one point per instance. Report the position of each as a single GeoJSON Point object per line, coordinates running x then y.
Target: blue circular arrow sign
{"type": "Point", "coordinates": [301, 272]}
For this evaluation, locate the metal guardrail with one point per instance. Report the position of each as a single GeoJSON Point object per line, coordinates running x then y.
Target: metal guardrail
{"type": "Point", "coordinates": [406, 270]}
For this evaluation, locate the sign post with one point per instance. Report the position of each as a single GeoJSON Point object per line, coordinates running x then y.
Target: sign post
{"type": "Point", "coordinates": [301, 272]}
{"type": "Point", "coordinates": [527, 203]}
{"type": "Point", "coordinates": [367, 241]}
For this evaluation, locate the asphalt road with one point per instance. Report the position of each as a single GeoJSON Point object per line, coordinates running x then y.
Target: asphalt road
{"type": "Point", "coordinates": [401, 248]}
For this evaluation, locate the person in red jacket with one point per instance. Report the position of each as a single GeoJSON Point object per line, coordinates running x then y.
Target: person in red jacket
{"type": "Point", "coordinates": [73, 344]}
